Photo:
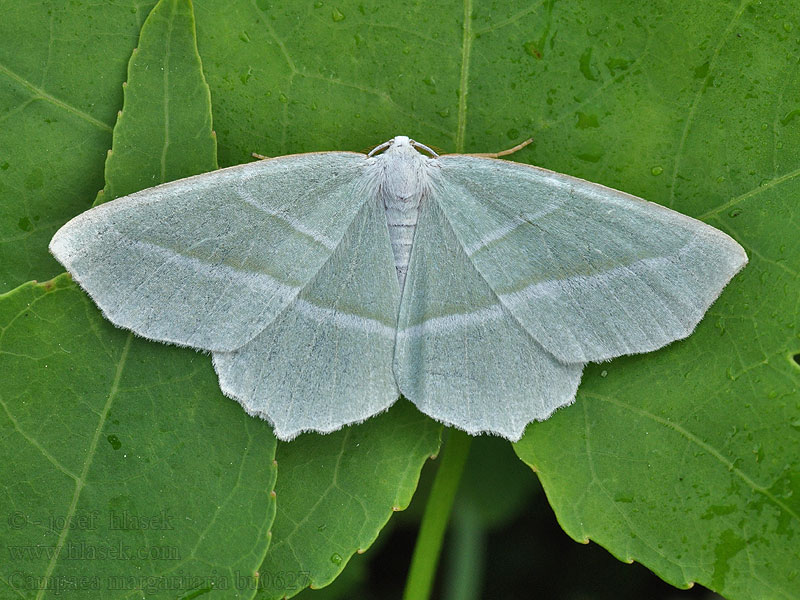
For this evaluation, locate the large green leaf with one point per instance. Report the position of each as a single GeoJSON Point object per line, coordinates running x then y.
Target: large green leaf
{"type": "Point", "coordinates": [688, 460]}
{"type": "Point", "coordinates": [147, 478]}
{"type": "Point", "coordinates": [692, 105]}
{"type": "Point", "coordinates": [124, 467]}
{"type": "Point", "coordinates": [162, 133]}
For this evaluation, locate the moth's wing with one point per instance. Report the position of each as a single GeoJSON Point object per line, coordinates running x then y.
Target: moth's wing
{"type": "Point", "coordinates": [210, 260]}
{"type": "Point", "coordinates": [590, 272]}
{"type": "Point", "coordinates": [327, 359]}
{"type": "Point", "coordinates": [461, 356]}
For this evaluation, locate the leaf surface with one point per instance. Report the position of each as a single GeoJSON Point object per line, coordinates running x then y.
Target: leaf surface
{"type": "Point", "coordinates": [164, 131]}
{"type": "Point", "coordinates": [687, 460]}
{"type": "Point", "coordinates": [131, 473]}
{"type": "Point", "coordinates": [336, 492]}
{"type": "Point", "coordinates": [134, 474]}
{"type": "Point", "coordinates": [62, 66]}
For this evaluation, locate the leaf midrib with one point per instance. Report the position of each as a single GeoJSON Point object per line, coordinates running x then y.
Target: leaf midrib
{"type": "Point", "coordinates": [466, 49]}
{"type": "Point", "coordinates": [81, 481]}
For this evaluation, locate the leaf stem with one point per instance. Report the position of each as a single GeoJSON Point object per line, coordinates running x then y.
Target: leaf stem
{"type": "Point", "coordinates": [434, 520]}
{"type": "Point", "coordinates": [465, 559]}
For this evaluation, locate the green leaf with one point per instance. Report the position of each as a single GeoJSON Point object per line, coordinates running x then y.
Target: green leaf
{"type": "Point", "coordinates": [337, 491]}
{"type": "Point", "coordinates": [697, 479]}
{"type": "Point", "coordinates": [686, 460]}
{"type": "Point", "coordinates": [61, 70]}
{"type": "Point", "coordinates": [689, 105]}
{"type": "Point", "coordinates": [290, 76]}
{"type": "Point", "coordinates": [130, 470]}
{"type": "Point", "coordinates": [161, 482]}
{"type": "Point", "coordinates": [164, 132]}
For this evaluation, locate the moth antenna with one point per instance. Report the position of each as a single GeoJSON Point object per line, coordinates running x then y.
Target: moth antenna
{"type": "Point", "coordinates": [379, 148]}
{"type": "Point", "coordinates": [516, 148]}
{"type": "Point", "coordinates": [427, 149]}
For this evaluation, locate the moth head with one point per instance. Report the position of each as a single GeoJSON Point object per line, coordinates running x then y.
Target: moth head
{"type": "Point", "coordinates": [400, 171]}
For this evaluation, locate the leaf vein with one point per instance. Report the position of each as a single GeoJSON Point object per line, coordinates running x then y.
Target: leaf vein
{"type": "Point", "coordinates": [90, 453]}
{"type": "Point", "coordinates": [466, 48]}
{"type": "Point", "coordinates": [39, 93]}
{"type": "Point", "coordinates": [705, 446]}
{"type": "Point", "coordinates": [696, 100]}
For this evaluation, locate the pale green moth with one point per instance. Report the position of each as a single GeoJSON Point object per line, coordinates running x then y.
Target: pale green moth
{"type": "Point", "coordinates": [326, 284]}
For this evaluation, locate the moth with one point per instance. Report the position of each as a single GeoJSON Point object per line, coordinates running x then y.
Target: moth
{"type": "Point", "coordinates": [327, 284]}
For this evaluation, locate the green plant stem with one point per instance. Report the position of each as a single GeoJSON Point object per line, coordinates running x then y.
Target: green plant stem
{"type": "Point", "coordinates": [463, 572]}
{"type": "Point", "coordinates": [437, 512]}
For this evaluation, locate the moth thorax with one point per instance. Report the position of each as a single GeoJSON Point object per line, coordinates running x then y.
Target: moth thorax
{"type": "Point", "coordinates": [403, 183]}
